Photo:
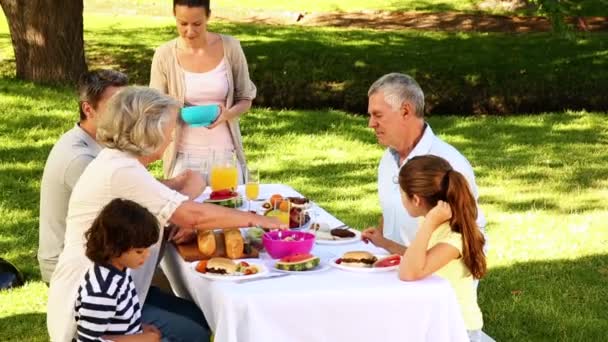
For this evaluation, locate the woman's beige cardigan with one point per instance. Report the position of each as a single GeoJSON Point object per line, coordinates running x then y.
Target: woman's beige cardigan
{"type": "Point", "coordinates": [167, 76]}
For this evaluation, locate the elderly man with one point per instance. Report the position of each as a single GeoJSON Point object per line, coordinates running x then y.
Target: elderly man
{"type": "Point", "coordinates": [396, 109]}
{"type": "Point", "coordinates": [67, 160]}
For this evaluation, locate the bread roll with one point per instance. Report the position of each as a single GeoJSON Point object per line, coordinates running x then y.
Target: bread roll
{"type": "Point", "coordinates": [234, 243]}
{"type": "Point", "coordinates": [206, 243]}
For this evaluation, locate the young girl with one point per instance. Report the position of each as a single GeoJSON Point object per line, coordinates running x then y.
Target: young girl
{"type": "Point", "coordinates": [448, 242]}
{"type": "Point", "coordinates": [107, 307]}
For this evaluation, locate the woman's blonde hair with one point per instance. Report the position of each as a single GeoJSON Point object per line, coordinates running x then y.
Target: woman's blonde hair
{"type": "Point", "coordinates": [134, 120]}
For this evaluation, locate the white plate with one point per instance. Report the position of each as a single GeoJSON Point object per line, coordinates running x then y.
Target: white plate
{"type": "Point", "coordinates": [340, 241]}
{"type": "Point", "coordinates": [263, 272]}
{"type": "Point", "coordinates": [332, 263]}
{"type": "Point", "coordinates": [320, 268]}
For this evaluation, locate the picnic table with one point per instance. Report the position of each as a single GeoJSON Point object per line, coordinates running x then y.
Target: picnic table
{"type": "Point", "coordinates": [329, 305]}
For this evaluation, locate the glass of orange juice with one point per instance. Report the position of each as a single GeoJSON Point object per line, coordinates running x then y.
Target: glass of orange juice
{"type": "Point", "coordinates": [252, 187]}
{"type": "Point", "coordinates": [224, 174]}
{"type": "Point", "coordinates": [282, 209]}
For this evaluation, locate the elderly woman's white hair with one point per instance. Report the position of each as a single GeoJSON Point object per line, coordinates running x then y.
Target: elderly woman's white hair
{"type": "Point", "coordinates": [134, 120]}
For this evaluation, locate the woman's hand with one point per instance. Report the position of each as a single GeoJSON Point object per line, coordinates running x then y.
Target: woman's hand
{"type": "Point", "coordinates": [222, 118]}
{"type": "Point", "coordinates": [182, 235]}
{"type": "Point", "coordinates": [268, 223]}
{"type": "Point", "coordinates": [189, 183]}
{"type": "Point", "coordinates": [439, 214]}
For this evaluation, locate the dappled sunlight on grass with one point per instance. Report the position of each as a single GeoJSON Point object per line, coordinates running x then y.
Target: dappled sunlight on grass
{"type": "Point", "coordinates": [543, 300]}
{"type": "Point", "coordinates": [542, 181]}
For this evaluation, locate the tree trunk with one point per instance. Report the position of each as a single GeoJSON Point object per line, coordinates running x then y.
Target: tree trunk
{"type": "Point", "coordinates": [47, 37]}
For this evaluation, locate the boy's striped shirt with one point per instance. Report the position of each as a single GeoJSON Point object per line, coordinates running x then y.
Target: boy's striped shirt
{"type": "Point", "coordinates": [107, 304]}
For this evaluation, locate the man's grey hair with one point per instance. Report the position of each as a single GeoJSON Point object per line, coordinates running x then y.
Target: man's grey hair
{"type": "Point", "coordinates": [398, 88]}
{"type": "Point", "coordinates": [134, 120]}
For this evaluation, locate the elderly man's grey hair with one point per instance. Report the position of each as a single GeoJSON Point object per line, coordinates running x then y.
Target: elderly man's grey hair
{"type": "Point", "coordinates": [134, 120]}
{"type": "Point", "coordinates": [398, 88]}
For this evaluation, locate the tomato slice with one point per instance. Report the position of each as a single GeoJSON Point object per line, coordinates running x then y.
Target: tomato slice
{"type": "Point", "coordinates": [201, 266]}
{"type": "Point", "coordinates": [389, 261]}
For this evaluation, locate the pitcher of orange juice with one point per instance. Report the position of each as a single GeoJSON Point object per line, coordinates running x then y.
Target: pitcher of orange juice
{"type": "Point", "coordinates": [224, 173]}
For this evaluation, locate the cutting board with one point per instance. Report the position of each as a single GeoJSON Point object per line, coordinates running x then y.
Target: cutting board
{"type": "Point", "coordinates": [190, 252]}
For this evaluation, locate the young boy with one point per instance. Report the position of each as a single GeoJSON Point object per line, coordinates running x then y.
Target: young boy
{"type": "Point", "coordinates": [107, 307]}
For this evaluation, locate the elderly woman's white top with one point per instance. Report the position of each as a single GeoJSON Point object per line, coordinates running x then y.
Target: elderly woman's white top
{"type": "Point", "coordinates": [113, 174]}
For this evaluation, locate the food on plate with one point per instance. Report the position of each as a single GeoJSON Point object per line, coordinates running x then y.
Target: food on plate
{"type": "Point", "coordinates": [298, 200]}
{"type": "Point", "coordinates": [298, 218]}
{"type": "Point", "coordinates": [246, 269]}
{"type": "Point", "coordinates": [323, 232]}
{"type": "Point", "coordinates": [391, 260]}
{"type": "Point", "coordinates": [357, 259]}
{"type": "Point", "coordinates": [201, 266]}
{"type": "Point", "coordinates": [320, 226]}
{"type": "Point", "coordinates": [284, 206]}
{"type": "Point", "coordinates": [298, 262]}
{"type": "Point", "coordinates": [226, 198]}
{"type": "Point", "coordinates": [254, 236]}
{"type": "Point", "coordinates": [235, 244]}
{"type": "Point", "coordinates": [223, 266]}
{"type": "Point", "coordinates": [275, 199]}
{"type": "Point", "coordinates": [267, 205]}
{"type": "Point", "coordinates": [342, 233]}
{"type": "Point", "coordinates": [206, 242]}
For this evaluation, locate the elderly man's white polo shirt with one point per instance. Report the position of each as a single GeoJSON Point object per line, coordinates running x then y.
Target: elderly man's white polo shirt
{"type": "Point", "coordinates": [399, 226]}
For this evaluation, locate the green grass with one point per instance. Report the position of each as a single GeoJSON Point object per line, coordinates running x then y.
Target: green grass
{"type": "Point", "coordinates": [460, 72]}
{"type": "Point", "coordinates": [163, 7]}
{"type": "Point", "coordinates": [542, 180]}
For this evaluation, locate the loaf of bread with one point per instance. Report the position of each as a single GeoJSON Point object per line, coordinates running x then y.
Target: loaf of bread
{"type": "Point", "coordinates": [206, 243]}
{"type": "Point", "coordinates": [235, 243]}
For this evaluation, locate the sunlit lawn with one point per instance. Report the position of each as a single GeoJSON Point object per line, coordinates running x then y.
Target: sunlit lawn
{"type": "Point", "coordinates": [163, 7]}
{"type": "Point", "coordinates": [543, 180]}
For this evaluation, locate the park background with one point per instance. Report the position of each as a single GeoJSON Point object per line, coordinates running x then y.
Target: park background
{"type": "Point", "coordinates": [519, 87]}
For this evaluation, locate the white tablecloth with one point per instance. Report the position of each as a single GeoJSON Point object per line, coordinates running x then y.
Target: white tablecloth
{"type": "Point", "coordinates": [333, 305]}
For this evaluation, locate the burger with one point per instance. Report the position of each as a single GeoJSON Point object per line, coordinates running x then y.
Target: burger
{"type": "Point", "coordinates": [358, 259]}
{"type": "Point", "coordinates": [222, 266]}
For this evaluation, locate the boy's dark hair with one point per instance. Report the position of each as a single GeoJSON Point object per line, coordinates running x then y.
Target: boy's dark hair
{"type": "Point", "coordinates": [92, 84]}
{"type": "Point", "coordinates": [120, 226]}
{"type": "Point", "coordinates": [193, 3]}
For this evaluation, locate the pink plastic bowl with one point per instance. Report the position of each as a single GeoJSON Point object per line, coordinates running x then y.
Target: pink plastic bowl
{"type": "Point", "coordinates": [277, 247]}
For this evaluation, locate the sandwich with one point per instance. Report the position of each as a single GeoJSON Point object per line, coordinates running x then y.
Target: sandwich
{"type": "Point", "coordinates": [358, 259]}
{"type": "Point", "coordinates": [222, 266]}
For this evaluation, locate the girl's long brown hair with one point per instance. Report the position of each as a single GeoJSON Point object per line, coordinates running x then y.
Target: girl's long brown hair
{"type": "Point", "coordinates": [432, 179]}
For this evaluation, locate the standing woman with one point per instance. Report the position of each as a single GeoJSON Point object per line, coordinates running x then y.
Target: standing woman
{"type": "Point", "coordinates": [199, 68]}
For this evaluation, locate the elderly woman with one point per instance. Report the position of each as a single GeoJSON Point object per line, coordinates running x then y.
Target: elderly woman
{"type": "Point", "coordinates": [200, 68]}
{"type": "Point", "coordinates": [135, 130]}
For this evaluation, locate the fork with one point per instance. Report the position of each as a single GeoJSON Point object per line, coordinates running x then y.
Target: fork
{"type": "Point", "coordinates": [278, 275]}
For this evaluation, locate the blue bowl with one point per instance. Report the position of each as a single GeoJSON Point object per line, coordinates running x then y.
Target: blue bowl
{"type": "Point", "coordinates": [200, 116]}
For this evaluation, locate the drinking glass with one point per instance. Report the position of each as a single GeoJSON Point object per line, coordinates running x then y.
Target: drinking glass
{"type": "Point", "coordinates": [252, 186]}
{"type": "Point", "coordinates": [224, 174]}
{"type": "Point", "coordinates": [282, 210]}
{"type": "Point", "coordinates": [199, 162]}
